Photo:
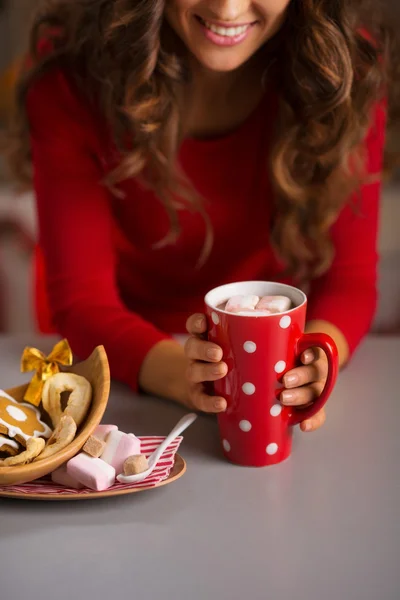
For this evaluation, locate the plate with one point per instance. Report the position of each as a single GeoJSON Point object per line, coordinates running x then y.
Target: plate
{"type": "Point", "coordinates": [97, 372]}
{"type": "Point", "coordinates": [29, 491]}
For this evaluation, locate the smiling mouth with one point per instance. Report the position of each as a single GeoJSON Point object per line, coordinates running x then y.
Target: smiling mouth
{"type": "Point", "coordinates": [229, 32]}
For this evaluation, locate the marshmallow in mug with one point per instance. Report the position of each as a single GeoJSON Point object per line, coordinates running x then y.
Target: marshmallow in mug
{"type": "Point", "coordinates": [239, 303]}
{"type": "Point", "coordinates": [250, 305]}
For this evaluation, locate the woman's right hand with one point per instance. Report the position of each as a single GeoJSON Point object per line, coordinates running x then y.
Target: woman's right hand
{"type": "Point", "coordinates": [205, 365]}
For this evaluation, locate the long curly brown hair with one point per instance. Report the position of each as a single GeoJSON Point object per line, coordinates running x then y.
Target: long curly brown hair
{"type": "Point", "coordinates": [328, 71]}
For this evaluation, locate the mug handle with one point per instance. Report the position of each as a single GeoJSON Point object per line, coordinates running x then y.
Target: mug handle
{"type": "Point", "coordinates": [326, 343]}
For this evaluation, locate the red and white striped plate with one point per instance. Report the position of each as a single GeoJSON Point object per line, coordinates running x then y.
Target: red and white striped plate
{"type": "Point", "coordinates": [169, 468]}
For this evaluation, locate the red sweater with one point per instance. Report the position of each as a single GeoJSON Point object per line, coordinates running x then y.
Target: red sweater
{"type": "Point", "coordinates": [107, 284]}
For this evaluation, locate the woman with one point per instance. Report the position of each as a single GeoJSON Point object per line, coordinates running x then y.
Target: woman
{"type": "Point", "coordinates": [181, 144]}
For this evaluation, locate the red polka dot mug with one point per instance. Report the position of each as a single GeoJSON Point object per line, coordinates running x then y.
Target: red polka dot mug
{"type": "Point", "coordinates": [256, 429]}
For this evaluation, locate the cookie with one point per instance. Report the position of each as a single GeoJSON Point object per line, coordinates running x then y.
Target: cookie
{"type": "Point", "coordinates": [62, 436]}
{"type": "Point", "coordinates": [8, 446]}
{"type": "Point", "coordinates": [34, 446]}
{"type": "Point", "coordinates": [20, 420]}
{"type": "Point", "coordinates": [78, 402]}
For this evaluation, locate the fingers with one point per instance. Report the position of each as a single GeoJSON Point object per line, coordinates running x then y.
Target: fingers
{"type": "Point", "coordinates": [304, 384]}
{"type": "Point", "coordinates": [316, 371]}
{"type": "Point", "coordinates": [197, 349]}
{"type": "Point", "coordinates": [205, 403]}
{"type": "Point", "coordinates": [199, 372]}
{"type": "Point", "coordinates": [196, 324]}
{"type": "Point", "coordinates": [204, 365]}
{"type": "Point", "coordinates": [315, 422]}
{"type": "Point", "coordinates": [301, 396]}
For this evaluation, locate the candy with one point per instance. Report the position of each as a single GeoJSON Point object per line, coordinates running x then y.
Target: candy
{"type": "Point", "coordinates": [135, 465]}
{"type": "Point", "coordinates": [102, 431]}
{"type": "Point", "coordinates": [239, 303]}
{"type": "Point", "coordinates": [254, 313]}
{"type": "Point", "coordinates": [94, 447]}
{"type": "Point", "coordinates": [61, 477]}
{"type": "Point", "coordinates": [119, 447]}
{"type": "Point", "coordinates": [94, 473]}
{"type": "Point", "coordinates": [274, 304]}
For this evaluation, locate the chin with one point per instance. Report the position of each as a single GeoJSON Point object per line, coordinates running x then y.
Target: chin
{"type": "Point", "coordinates": [220, 64]}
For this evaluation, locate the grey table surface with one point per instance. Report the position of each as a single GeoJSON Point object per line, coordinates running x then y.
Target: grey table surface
{"type": "Point", "coordinates": [324, 524]}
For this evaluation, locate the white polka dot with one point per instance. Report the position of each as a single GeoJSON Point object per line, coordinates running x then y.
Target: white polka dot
{"type": "Point", "coordinates": [276, 410]}
{"type": "Point", "coordinates": [249, 388]}
{"type": "Point", "coordinates": [272, 449]}
{"type": "Point", "coordinates": [280, 366]}
{"type": "Point", "coordinates": [245, 425]}
{"type": "Point", "coordinates": [226, 445]}
{"type": "Point", "coordinates": [16, 413]}
{"type": "Point", "coordinates": [250, 347]}
{"type": "Point", "coordinates": [285, 322]}
{"type": "Point", "coordinates": [215, 318]}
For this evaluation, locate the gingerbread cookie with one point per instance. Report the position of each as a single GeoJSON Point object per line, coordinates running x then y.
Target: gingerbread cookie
{"type": "Point", "coordinates": [20, 420]}
{"type": "Point", "coordinates": [8, 446]}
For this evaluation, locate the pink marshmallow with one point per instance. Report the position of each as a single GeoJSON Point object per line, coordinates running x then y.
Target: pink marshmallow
{"type": "Point", "coordinates": [240, 303]}
{"type": "Point", "coordinates": [102, 431]}
{"type": "Point", "coordinates": [274, 304]}
{"type": "Point", "coordinates": [94, 473]}
{"type": "Point", "coordinates": [119, 447]}
{"type": "Point", "coordinates": [60, 477]}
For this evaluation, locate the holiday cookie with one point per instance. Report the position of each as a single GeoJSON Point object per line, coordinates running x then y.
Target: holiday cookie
{"type": "Point", "coordinates": [8, 446]}
{"type": "Point", "coordinates": [78, 402]}
{"type": "Point", "coordinates": [34, 447]}
{"type": "Point", "coordinates": [20, 420]}
{"type": "Point", "coordinates": [62, 436]}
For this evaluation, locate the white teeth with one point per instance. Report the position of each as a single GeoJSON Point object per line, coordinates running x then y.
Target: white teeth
{"type": "Point", "coordinates": [226, 31]}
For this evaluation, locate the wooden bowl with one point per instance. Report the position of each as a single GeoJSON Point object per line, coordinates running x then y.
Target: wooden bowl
{"type": "Point", "coordinates": [97, 372]}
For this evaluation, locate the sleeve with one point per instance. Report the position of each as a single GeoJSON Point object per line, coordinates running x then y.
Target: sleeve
{"type": "Point", "coordinates": [346, 295]}
{"type": "Point", "coordinates": [75, 231]}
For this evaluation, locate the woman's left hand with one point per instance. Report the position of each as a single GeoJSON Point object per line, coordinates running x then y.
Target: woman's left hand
{"type": "Point", "coordinates": [304, 384]}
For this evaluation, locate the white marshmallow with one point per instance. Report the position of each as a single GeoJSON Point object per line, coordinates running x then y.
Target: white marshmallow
{"type": "Point", "coordinates": [240, 303]}
{"type": "Point", "coordinates": [274, 304]}
{"type": "Point", "coordinates": [254, 313]}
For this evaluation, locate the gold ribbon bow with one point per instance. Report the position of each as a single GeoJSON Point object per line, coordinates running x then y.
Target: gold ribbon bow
{"type": "Point", "coordinates": [45, 367]}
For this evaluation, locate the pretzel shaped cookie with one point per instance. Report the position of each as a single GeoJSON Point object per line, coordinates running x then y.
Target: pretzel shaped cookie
{"type": "Point", "coordinates": [62, 436]}
{"type": "Point", "coordinates": [34, 446]}
{"type": "Point", "coordinates": [78, 402]}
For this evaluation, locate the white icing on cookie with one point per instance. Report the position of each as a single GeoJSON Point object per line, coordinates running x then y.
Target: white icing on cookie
{"type": "Point", "coordinates": [14, 430]}
{"type": "Point", "coordinates": [4, 442]}
{"type": "Point", "coordinates": [16, 413]}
